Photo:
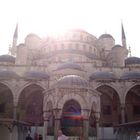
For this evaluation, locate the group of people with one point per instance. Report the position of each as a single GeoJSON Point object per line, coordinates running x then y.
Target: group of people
{"type": "Point", "coordinates": [36, 137]}
{"type": "Point", "coordinates": [61, 136]}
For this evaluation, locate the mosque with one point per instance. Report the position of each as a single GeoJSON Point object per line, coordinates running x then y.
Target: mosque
{"type": "Point", "coordinates": [84, 85]}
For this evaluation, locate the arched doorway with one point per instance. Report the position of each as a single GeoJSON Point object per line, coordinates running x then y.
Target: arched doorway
{"type": "Point", "coordinates": [71, 118]}
{"type": "Point", "coordinates": [110, 106]}
{"type": "Point", "coordinates": [30, 106]}
{"type": "Point", "coordinates": [6, 111]}
{"type": "Point", "coordinates": [132, 104]}
{"type": "Point", "coordinates": [110, 115]}
{"type": "Point", "coordinates": [6, 102]}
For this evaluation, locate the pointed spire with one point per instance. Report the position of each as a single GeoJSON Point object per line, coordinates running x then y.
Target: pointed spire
{"type": "Point", "coordinates": [123, 33]}
{"type": "Point", "coordinates": [14, 44]}
{"type": "Point", "coordinates": [123, 36]}
{"type": "Point", "coordinates": [15, 36]}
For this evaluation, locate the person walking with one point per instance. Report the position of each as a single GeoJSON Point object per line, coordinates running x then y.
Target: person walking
{"type": "Point", "coordinates": [61, 136]}
{"type": "Point", "coordinates": [138, 135]}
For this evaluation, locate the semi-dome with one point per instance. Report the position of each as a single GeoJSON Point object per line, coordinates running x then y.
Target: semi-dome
{"type": "Point", "coordinates": [8, 74]}
{"type": "Point", "coordinates": [7, 58]}
{"type": "Point", "coordinates": [130, 75]}
{"type": "Point", "coordinates": [69, 65]}
{"type": "Point", "coordinates": [132, 60]}
{"type": "Point", "coordinates": [106, 36]}
{"type": "Point", "coordinates": [102, 76]}
{"type": "Point", "coordinates": [72, 80]}
{"type": "Point", "coordinates": [36, 75]}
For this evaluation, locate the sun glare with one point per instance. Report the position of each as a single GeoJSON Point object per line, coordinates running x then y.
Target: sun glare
{"type": "Point", "coordinates": [58, 30]}
{"type": "Point", "coordinates": [53, 17]}
{"type": "Point", "coordinates": [63, 16]}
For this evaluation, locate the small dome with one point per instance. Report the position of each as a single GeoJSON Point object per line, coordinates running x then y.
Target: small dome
{"type": "Point", "coordinates": [7, 58]}
{"type": "Point", "coordinates": [21, 45]}
{"type": "Point", "coordinates": [32, 35]}
{"type": "Point", "coordinates": [130, 75]}
{"type": "Point", "coordinates": [8, 74]}
{"type": "Point", "coordinates": [72, 80]}
{"type": "Point", "coordinates": [36, 75]}
{"type": "Point", "coordinates": [69, 65]}
{"type": "Point", "coordinates": [117, 47]}
{"type": "Point", "coordinates": [132, 60]}
{"type": "Point", "coordinates": [102, 76]}
{"type": "Point", "coordinates": [106, 36]}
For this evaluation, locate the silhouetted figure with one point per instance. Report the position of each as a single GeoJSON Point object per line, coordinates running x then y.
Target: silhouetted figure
{"type": "Point", "coordinates": [29, 137]}
{"type": "Point", "coordinates": [138, 135]}
{"type": "Point", "coordinates": [36, 136]}
{"type": "Point", "coordinates": [40, 137]}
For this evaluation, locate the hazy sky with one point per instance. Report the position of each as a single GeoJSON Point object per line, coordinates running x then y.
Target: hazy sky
{"type": "Point", "coordinates": [45, 16]}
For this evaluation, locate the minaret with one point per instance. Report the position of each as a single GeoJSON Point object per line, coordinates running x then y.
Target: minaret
{"type": "Point", "coordinates": [123, 37]}
{"type": "Point", "coordinates": [129, 51]}
{"type": "Point", "coordinates": [15, 37]}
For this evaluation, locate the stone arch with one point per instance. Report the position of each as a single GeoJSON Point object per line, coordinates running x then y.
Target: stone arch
{"type": "Point", "coordinates": [72, 103]}
{"type": "Point", "coordinates": [106, 84]}
{"type": "Point", "coordinates": [129, 88]}
{"type": "Point", "coordinates": [110, 106]}
{"type": "Point", "coordinates": [30, 83]}
{"type": "Point", "coordinates": [71, 118]}
{"type": "Point", "coordinates": [132, 103]}
{"type": "Point", "coordinates": [30, 105]}
{"type": "Point", "coordinates": [83, 103]}
{"type": "Point", "coordinates": [9, 87]}
{"type": "Point", "coordinates": [6, 101]}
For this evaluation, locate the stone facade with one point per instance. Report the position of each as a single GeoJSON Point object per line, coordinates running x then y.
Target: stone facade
{"type": "Point", "coordinates": [73, 81]}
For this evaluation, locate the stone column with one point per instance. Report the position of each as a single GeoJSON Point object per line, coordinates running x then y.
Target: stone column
{"type": "Point", "coordinates": [122, 113]}
{"type": "Point", "coordinates": [10, 128]}
{"type": "Point", "coordinates": [45, 129]}
{"type": "Point", "coordinates": [15, 112]}
{"type": "Point", "coordinates": [46, 116]}
{"type": "Point", "coordinates": [85, 114]}
{"type": "Point", "coordinates": [85, 128]}
{"type": "Point", "coordinates": [97, 117]}
{"type": "Point", "coordinates": [15, 105]}
{"type": "Point", "coordinates": [11, 136]}
{"type": "Point", "coordinates": [57, 115]}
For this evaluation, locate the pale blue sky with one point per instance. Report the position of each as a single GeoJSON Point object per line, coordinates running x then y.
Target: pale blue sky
{"type": "Point", "coordinates": [95, 16]}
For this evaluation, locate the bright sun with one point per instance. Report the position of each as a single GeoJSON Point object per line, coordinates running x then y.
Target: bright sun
{"type": "Point", "coordinates": [63, 16]}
